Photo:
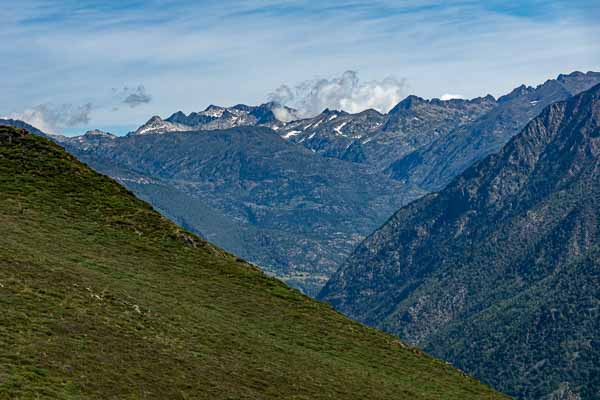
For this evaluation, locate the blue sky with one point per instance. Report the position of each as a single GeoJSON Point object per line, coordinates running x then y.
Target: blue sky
{"type": "Point", "coordinates": [76, 64]}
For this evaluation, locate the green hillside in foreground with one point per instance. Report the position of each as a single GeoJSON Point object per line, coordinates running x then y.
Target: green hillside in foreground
{"type": "Point", "coordinates": [102, 297]}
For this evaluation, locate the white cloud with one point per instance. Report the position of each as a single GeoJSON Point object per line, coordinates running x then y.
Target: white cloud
{"type": "Point", "coordinates": [449, 96]}
{"type": "Point", "coordinates": [52, 118]}
{"type": "Point", "coordinates": [345, 92]}
{"type": "Point", "coordinates": [283, 114]}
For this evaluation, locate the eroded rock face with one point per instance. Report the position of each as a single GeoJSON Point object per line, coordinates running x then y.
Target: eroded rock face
{"type": "Point", "coordinates": [498, 273]}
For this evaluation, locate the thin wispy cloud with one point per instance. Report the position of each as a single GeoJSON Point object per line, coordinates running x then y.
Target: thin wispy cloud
{"type": "Point", "coordinates": [188, 54]}
{"type": "Point", "coordinates": [134, 97]}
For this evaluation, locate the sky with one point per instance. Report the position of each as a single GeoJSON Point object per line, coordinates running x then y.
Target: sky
{"type": "Point", "coordinates": [72, 65]}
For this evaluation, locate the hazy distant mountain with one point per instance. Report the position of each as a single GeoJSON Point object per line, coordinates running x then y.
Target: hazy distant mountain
{"type": "Point", "coordinates": [291, 211]}
{"type": "Point", "coordinates": [215, 117]}
{"type": "Point", "coordinates": [499, 273]}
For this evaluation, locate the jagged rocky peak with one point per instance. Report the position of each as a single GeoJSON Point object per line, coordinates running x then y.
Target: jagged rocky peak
{"type": "Point", "coordinates": [457, 102]}
{"type": "Point", "coordinates": [408, 103]}
{"type": "Point", "coordinates": [487, 98]}
{"type": "Point", "coordinates": [332, 133]}
{"type": "Point", "coordinates": [370, 112]}
{"type": "Point", "coordinates": [157, 125]}
{"type": "Point", "coordinates": [522, 90]}
{"type": "Point", "coordinates": [272, 115]}
{"type": "Point", "coordinates": [564, 85]}
{"type": "Point", "coordinates": [176, 116]}
{"type": "Point", "coordinates": [243, 108]}
{"type": "Point", "coordinates": [155, 119]}
{"type": "Point", "coordinates": [431, 119]}
{"type": "Point", "coordinates": [578, 81]}
{"type": "Point", "coordinates": [413, 102]}
{"type": "Point", "coordinates": [214, 111]}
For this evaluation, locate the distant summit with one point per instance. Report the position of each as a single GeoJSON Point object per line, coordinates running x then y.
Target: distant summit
{"type": "Point", "coordinates": [157, 125]}
{"type": "Point", "coordinates": [214, 117]}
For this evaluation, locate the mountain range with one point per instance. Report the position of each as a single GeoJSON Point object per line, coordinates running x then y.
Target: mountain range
{"type": "Point", "coordinates": [216, 117]}
{"type": "Point", "coordinates": [495, 270]}
{"type": "Point", "coordinates": [499, 272]}
{"type": "Point", "coordinates": [296, 197]}
{"type": "Point", "coordinates": [102, 297]}
{"type": "Point", "coordinates": [291, 211]}
{"type": "Point", "coordinates": [425, 141]}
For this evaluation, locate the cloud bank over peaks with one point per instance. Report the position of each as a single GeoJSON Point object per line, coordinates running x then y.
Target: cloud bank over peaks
{"type": "Point", "coordinates": [345, 92]}
{"type": "Point", "coordinates": [52, 118]}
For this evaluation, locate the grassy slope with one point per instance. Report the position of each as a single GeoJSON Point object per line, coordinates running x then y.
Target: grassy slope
{"type": "Point", "coordinates": [101, 297]}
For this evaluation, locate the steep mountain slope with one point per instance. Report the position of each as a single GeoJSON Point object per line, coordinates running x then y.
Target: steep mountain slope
{"type": "Point", "coordinates": [499, 273]}
{"type": "Point", "coordinates": [294, 213]}
{"type": "Point", "coordinates": [102, 298]}
{"type": "Point", "coordinates": [433, 166]}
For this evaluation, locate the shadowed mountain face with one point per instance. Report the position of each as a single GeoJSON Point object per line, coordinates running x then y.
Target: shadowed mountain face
{"type": "Point", "coordinates": [294, 213]}
{"type": "Point", "coordinates": [433, 166]}
{"type": "Point", "coordinates": [499, 273]}
{"type": "Point", "coordinates": [104, 298]}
